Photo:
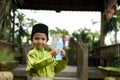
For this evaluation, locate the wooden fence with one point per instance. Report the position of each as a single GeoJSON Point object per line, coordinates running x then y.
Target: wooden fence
{"type": "Point", "coordinates": [101, 56]}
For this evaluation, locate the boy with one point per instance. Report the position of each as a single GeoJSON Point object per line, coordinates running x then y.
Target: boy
{"type": "Point", "coordinates": [41, 64]}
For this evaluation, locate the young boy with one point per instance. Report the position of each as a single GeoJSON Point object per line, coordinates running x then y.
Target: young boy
{"type": "Point", "coordinates": [41, 64]}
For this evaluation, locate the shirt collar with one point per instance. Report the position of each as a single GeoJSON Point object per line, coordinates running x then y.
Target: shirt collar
{"type": "Point", "coordinates": [39, 49]}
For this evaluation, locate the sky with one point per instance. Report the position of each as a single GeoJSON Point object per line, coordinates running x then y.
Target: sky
{"type": "Point", "coordinates": [69, 20]}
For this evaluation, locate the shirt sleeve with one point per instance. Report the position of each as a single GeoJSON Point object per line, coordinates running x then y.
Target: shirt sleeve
{"type": "Point", "coordinates": [60, 65]}
{"type": "Point", "coordinates": [35, 63]}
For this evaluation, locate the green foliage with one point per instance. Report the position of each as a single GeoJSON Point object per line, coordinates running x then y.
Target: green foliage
{"type": "Point", "coordinates": [22, 33]}
{"type": "Point", "coordinates": [72, 52]}
{"type": "Point", "coordinates": [5, 55]}
{"type": "Point", "coordinates": [87, 37]}
{"type": "Point", "coordinates": [118, 16]}
{"type": "Point", "coordinates": [59, 31]}
{"type": "Point", "coordinates": [110, 25]}
{"type": "Point", "coordinates": [7, 10]}
{"type": "Point", "coordinates": [113, 25]}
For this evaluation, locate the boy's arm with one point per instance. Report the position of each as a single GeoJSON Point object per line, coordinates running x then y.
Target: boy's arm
{"type": "Point", "coordinates": [41, 63]}
{"type": "Point", "coordinates": [60, 65]}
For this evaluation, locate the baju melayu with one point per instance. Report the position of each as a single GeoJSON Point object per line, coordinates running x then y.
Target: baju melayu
{"type": "Point", "coordinates": [41, 65]}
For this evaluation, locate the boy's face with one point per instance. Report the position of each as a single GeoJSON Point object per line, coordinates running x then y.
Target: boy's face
{"type": "Point", "coordinates": [39, 40]}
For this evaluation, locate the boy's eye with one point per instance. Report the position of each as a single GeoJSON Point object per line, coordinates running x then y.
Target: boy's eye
{"type": "Point", "coordinates": [36, 38]}
{"type": "Point", "coordinates": [43, 38]}
{"type": "Point", "coordinates": [39, 38]}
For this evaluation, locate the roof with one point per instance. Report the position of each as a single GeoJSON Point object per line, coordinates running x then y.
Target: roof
{"type": "Point", "coordinates": [64, 5]}
{"type": "Point", "coordinates": [67, 5]}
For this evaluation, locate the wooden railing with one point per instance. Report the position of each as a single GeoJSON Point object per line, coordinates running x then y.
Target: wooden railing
{"type": "Point", "coordinates": [110, 50]}
{"type": "Point", "coordinates": [104, 56]}
{"type": "Point", "coordinates": [82, 61]}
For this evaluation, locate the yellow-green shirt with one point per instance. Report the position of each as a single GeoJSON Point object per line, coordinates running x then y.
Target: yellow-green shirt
{"type": "Point", "coordinates": [41, 63]}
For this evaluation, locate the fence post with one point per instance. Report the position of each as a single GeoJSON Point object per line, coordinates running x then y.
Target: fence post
{"type": "Point", "coordinates": [82, 61]}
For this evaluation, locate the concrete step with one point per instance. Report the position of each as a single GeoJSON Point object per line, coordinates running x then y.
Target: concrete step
{"type": "Point", "coordinates": [95, 73]}
{"type": "Point", "coordinates": [65, 78]}
{"type": "Point", "coordinates": [20, 71]}
{"type": "Point", "coordinates": [69, 71]}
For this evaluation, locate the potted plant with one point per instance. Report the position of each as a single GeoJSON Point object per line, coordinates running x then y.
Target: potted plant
{"type": "Point", "coordinates": [7, 64]}
{"type": "Point", "coordinates": [7, 61]}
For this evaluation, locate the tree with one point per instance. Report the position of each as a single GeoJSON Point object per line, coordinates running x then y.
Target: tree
{"type": "Point", "coordinates": [62, 32]}
{"type": "Point", "coordinates": [87, 36]}
{"type": "Point", "coordinates": [59, 31]}
{"type": "Point", "coordinates": [7, 10]}
{"type": "Point", "coordinates": [113, 25]}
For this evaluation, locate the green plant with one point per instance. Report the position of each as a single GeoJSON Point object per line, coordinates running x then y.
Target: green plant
{"type": "Point", "coordinates": [6, 55]}
{"type": "Point", "coordinates": [7, 60]}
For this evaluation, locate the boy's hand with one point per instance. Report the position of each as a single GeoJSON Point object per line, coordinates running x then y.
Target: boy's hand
{"type": "Point", "coordinates": [54, 52]}
{"type": "Point", "coordinates": [63, 53]}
